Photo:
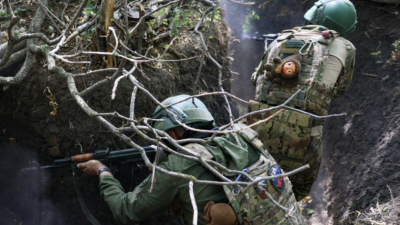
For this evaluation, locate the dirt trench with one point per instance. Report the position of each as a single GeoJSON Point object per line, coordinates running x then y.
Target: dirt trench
{"type": "Point", "coordinates": [30, 136]}
{"type": "Point", "coordinates": [362, 153]}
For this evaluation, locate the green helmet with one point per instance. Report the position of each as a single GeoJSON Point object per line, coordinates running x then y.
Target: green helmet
{"type": "Point", "coordinates": [338, 15]}
{"type": "Point", "coordinates": [188, 112]}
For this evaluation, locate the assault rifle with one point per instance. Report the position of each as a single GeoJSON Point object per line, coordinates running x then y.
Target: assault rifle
{"type": "Point", "coordinates": [106, 156]}
{"type": "Point", "coordinates": [265, 38]}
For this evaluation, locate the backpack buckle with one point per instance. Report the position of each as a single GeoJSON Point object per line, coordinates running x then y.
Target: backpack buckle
{"type": "Point", "coordinates": [310, 43]}
{"type": "Point", "coordinates": [236, 190]}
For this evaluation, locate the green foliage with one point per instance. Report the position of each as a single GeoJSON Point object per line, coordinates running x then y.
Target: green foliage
{"type": "Point", "coordinates": [19, 10]}
{"type": "Point", "coordinates": [90, 9]}
{"type": "Point", "coordinates": [132, 56]}
{"type": "Point", "coordinates": [310, 211]}
{"type": "Point", "coordinates": [396, 45]}
{"type": "Point", "coordinates": [88, 33]}
{"type": "Point", "coordinates": [217, 15]}
{"type": "Point", "coordinates": [181, 18]}
{"type": "Point", "coordinates": [251, 16]}
{"type": "Point", "coordinates": [165, 46]}
{"type": "Point", "coordinates": [165, 22]}
{"type": "Point", "coordinates": [376, 53]}
{"type": "Point", "coordinates": [150, 32]}
{"type": "Point", "coordinates": [4, 14]}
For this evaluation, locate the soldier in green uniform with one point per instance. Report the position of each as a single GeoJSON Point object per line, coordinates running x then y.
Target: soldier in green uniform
{"type": "Point", "coordinates": [247, 207]}
{"type": "Point", "coordinates": [318, 60]}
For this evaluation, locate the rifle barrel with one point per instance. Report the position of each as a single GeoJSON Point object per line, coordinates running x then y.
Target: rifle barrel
{"type": "Point", "coordinates": [125, 155]}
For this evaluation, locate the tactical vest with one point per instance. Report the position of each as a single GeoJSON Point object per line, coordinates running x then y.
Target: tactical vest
{"type": "Point", "coordinates": [251, 206]}
{"type": "Point", "coordinates": [315, 96]}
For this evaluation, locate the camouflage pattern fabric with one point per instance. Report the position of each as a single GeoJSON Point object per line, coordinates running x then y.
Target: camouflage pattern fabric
{"type": "Point", "coordinates": [289, 140]}
{"type": "Point", "coordinates": [315, 97]}
{"type": "Point", "coordinates": [292, 138]}
{"type": "Point", "coordinates": [199, 149]}
{"type": "Point", "coordinates": [249, 206]}
{"type": "Point", "coordinates": [252, 208]}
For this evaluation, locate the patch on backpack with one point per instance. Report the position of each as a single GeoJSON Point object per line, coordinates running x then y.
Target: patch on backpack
{"type": "Point", "coordinates": [263, 184]}
{"type": "Point", "coordinates": [277, 183]}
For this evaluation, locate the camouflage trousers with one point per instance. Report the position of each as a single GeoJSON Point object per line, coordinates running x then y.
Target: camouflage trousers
{"type": "Point", "coordinates": [293, 140]}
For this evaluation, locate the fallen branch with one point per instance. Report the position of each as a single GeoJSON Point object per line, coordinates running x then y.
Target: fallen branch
{"type": "Point", "coordinates": [194, 205]}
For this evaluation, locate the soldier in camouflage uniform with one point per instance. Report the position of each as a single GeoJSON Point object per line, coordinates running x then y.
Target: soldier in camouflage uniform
{"type": "Point", "coordinates": [247, 206]}
{"type": "Point", "coordinates": [326, 61]}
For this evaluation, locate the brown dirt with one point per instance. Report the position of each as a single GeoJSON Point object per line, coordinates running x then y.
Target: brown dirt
{"type": "Point", "coordinates": [362, 153]}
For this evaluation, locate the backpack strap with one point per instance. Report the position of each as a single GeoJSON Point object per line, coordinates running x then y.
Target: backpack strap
{"type": "Point", "coordinates": [251, 137]}
{"type": "Point", "coordinates": [233, 201]}
{"type": "Point", "coordinates": [204, 153]}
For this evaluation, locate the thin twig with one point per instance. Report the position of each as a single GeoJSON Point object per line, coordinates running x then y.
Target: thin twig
{"type": "Point", "coordinates": [50, 14]}
{"type": "Point", "coordinates": [370, 75]}
{"type": "Point", "coordinates": [243, 3]}
{"type": "Point", "coordinates": [194, 205]}
{"type": "Point", "coordinates": [264, 120]}
{"type": "Point", "coordinates": [151, 13]}
{"type": "Point", "coordinates": [77, 15]}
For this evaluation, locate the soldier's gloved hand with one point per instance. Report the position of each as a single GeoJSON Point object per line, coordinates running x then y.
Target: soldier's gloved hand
{"type": "Point", "coordinates": [273, 70]}
{"type": "Point", "coordinates": [91, 167]}
{"type": "Point", "coordinates": [219, 214]}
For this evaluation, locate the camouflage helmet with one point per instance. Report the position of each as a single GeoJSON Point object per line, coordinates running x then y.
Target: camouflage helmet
{"type": "Point", "coordinates": [338, 15]}
{"type": "Point", "coordinates": [188, 112]}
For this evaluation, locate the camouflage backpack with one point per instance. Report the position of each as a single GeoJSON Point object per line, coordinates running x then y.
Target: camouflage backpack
{"type": "Point", "coordinates": [294, 138]}
{"type": "Point", "coordinates": [252, 206]}
{"type": "Point", "coordinates": [315, 96]}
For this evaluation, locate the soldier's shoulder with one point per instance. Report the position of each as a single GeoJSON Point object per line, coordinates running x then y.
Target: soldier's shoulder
{"type": "Point", "coordinates": [343, 49]}
{"type": "Point", "coordinates": [341, 41]}
{"type": "Point", "coordinates": [180, 164]}
{"type": "Point", "coordinates": [199, 149]}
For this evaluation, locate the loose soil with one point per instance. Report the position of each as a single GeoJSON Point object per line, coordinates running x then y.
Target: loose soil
{"type": "Point", "coordinates": [361, 150]}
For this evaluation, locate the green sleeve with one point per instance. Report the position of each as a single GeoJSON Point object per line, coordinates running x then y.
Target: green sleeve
{"type": "Point", "coordinates": [132, 207]}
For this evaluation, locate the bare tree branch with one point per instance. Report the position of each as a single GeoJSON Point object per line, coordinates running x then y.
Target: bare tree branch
{"type": "Point", "coordinates": [194, 205]}
{"type": "Point", "coordinates": [243, 3]}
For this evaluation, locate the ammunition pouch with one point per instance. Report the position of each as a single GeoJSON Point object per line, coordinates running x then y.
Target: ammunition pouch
{"type": "Point", "coordinates": [286, 136]}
